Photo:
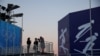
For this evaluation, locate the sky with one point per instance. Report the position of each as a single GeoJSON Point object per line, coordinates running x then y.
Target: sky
{"type": "Point", "coordinates": [41, 16]}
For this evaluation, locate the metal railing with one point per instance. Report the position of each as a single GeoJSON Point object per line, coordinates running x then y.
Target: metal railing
{"type": "Point", "coordinates": [48, 48]}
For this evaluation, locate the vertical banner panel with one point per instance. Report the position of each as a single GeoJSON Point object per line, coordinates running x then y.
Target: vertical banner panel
{"type": "Point", "coordinates": [10, 37]}
{"type": "Point", "coordinates": [63, 36]}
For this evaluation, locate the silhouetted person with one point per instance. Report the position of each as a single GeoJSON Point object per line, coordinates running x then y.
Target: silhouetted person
{"type": "Point", "coordinates": [28, 44]}
{"type": "Point", "coordinates": [42, 44]}
{"type": "Point", "coordinates": [35, 47]}
{"type": "Point", "coordinates": [39, 48]}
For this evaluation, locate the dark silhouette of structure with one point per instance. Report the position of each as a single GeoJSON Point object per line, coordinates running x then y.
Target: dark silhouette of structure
{"type": "Point", "coordinates": [6, 13]}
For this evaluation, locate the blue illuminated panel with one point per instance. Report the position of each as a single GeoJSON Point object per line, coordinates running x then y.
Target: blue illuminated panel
{"type": "Point", "coordinates": [10, 35]}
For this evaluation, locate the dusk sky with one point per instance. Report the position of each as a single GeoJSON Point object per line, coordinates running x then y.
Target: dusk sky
{"type": "Point", "coordinates": [41, 16]}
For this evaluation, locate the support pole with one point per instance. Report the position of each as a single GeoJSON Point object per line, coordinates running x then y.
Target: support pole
{"type": "Point", "coordinates": [90, 26]}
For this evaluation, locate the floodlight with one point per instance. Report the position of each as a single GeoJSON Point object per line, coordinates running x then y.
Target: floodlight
{"type": "Point", "coordinates": [15, 7]}
{"type": "Point", "coordinates": [11, 7]}
{"type": "Point", "coordinates": [2, 7]}
{"type": "Point", "coordinates": [17, 15]}
{"type": "Point", "coordinates": [12, 22]}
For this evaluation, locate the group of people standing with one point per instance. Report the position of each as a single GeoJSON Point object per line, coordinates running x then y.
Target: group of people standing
{"type": "Point", "coordinates": [38, 45]}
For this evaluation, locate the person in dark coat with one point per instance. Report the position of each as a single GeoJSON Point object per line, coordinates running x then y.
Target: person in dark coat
{"type": "Point", "coordinates": [28, 44]}
{"type": "Point", "coordinates": [35, 47]}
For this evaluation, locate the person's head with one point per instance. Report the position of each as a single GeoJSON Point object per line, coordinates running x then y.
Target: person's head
{"type": "Point", "coordinates": [28, 38]}
{"type": "Point", "coordinates": [36, 39]}
{"type": "Point", "coordinates": [41, 38]}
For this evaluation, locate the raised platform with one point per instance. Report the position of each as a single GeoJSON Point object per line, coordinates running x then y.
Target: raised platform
{"type": "Point", "coordinates": [31, 54]}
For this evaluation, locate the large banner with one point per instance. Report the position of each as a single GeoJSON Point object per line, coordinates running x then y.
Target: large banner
{"type": "Point", "coordinates": [10, 36]}
{"type": "Point", "coordinates": [76, 28]}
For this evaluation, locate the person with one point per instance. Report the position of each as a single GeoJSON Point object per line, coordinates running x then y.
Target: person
{"type": "Point", "coordinates": [35, 47]}
{"type": "Point", "coordinates": [42, 44]}
{"type": "Point", "coordinates": [39, 48]}
{"type": "Point", "coordinates": [28, 44]}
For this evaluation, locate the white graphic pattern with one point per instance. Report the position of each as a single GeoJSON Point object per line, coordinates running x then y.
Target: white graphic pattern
{"type": "Point", "coordinates": [89, 40]}
{"type": "Point", "coordinates": [62, 37]}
